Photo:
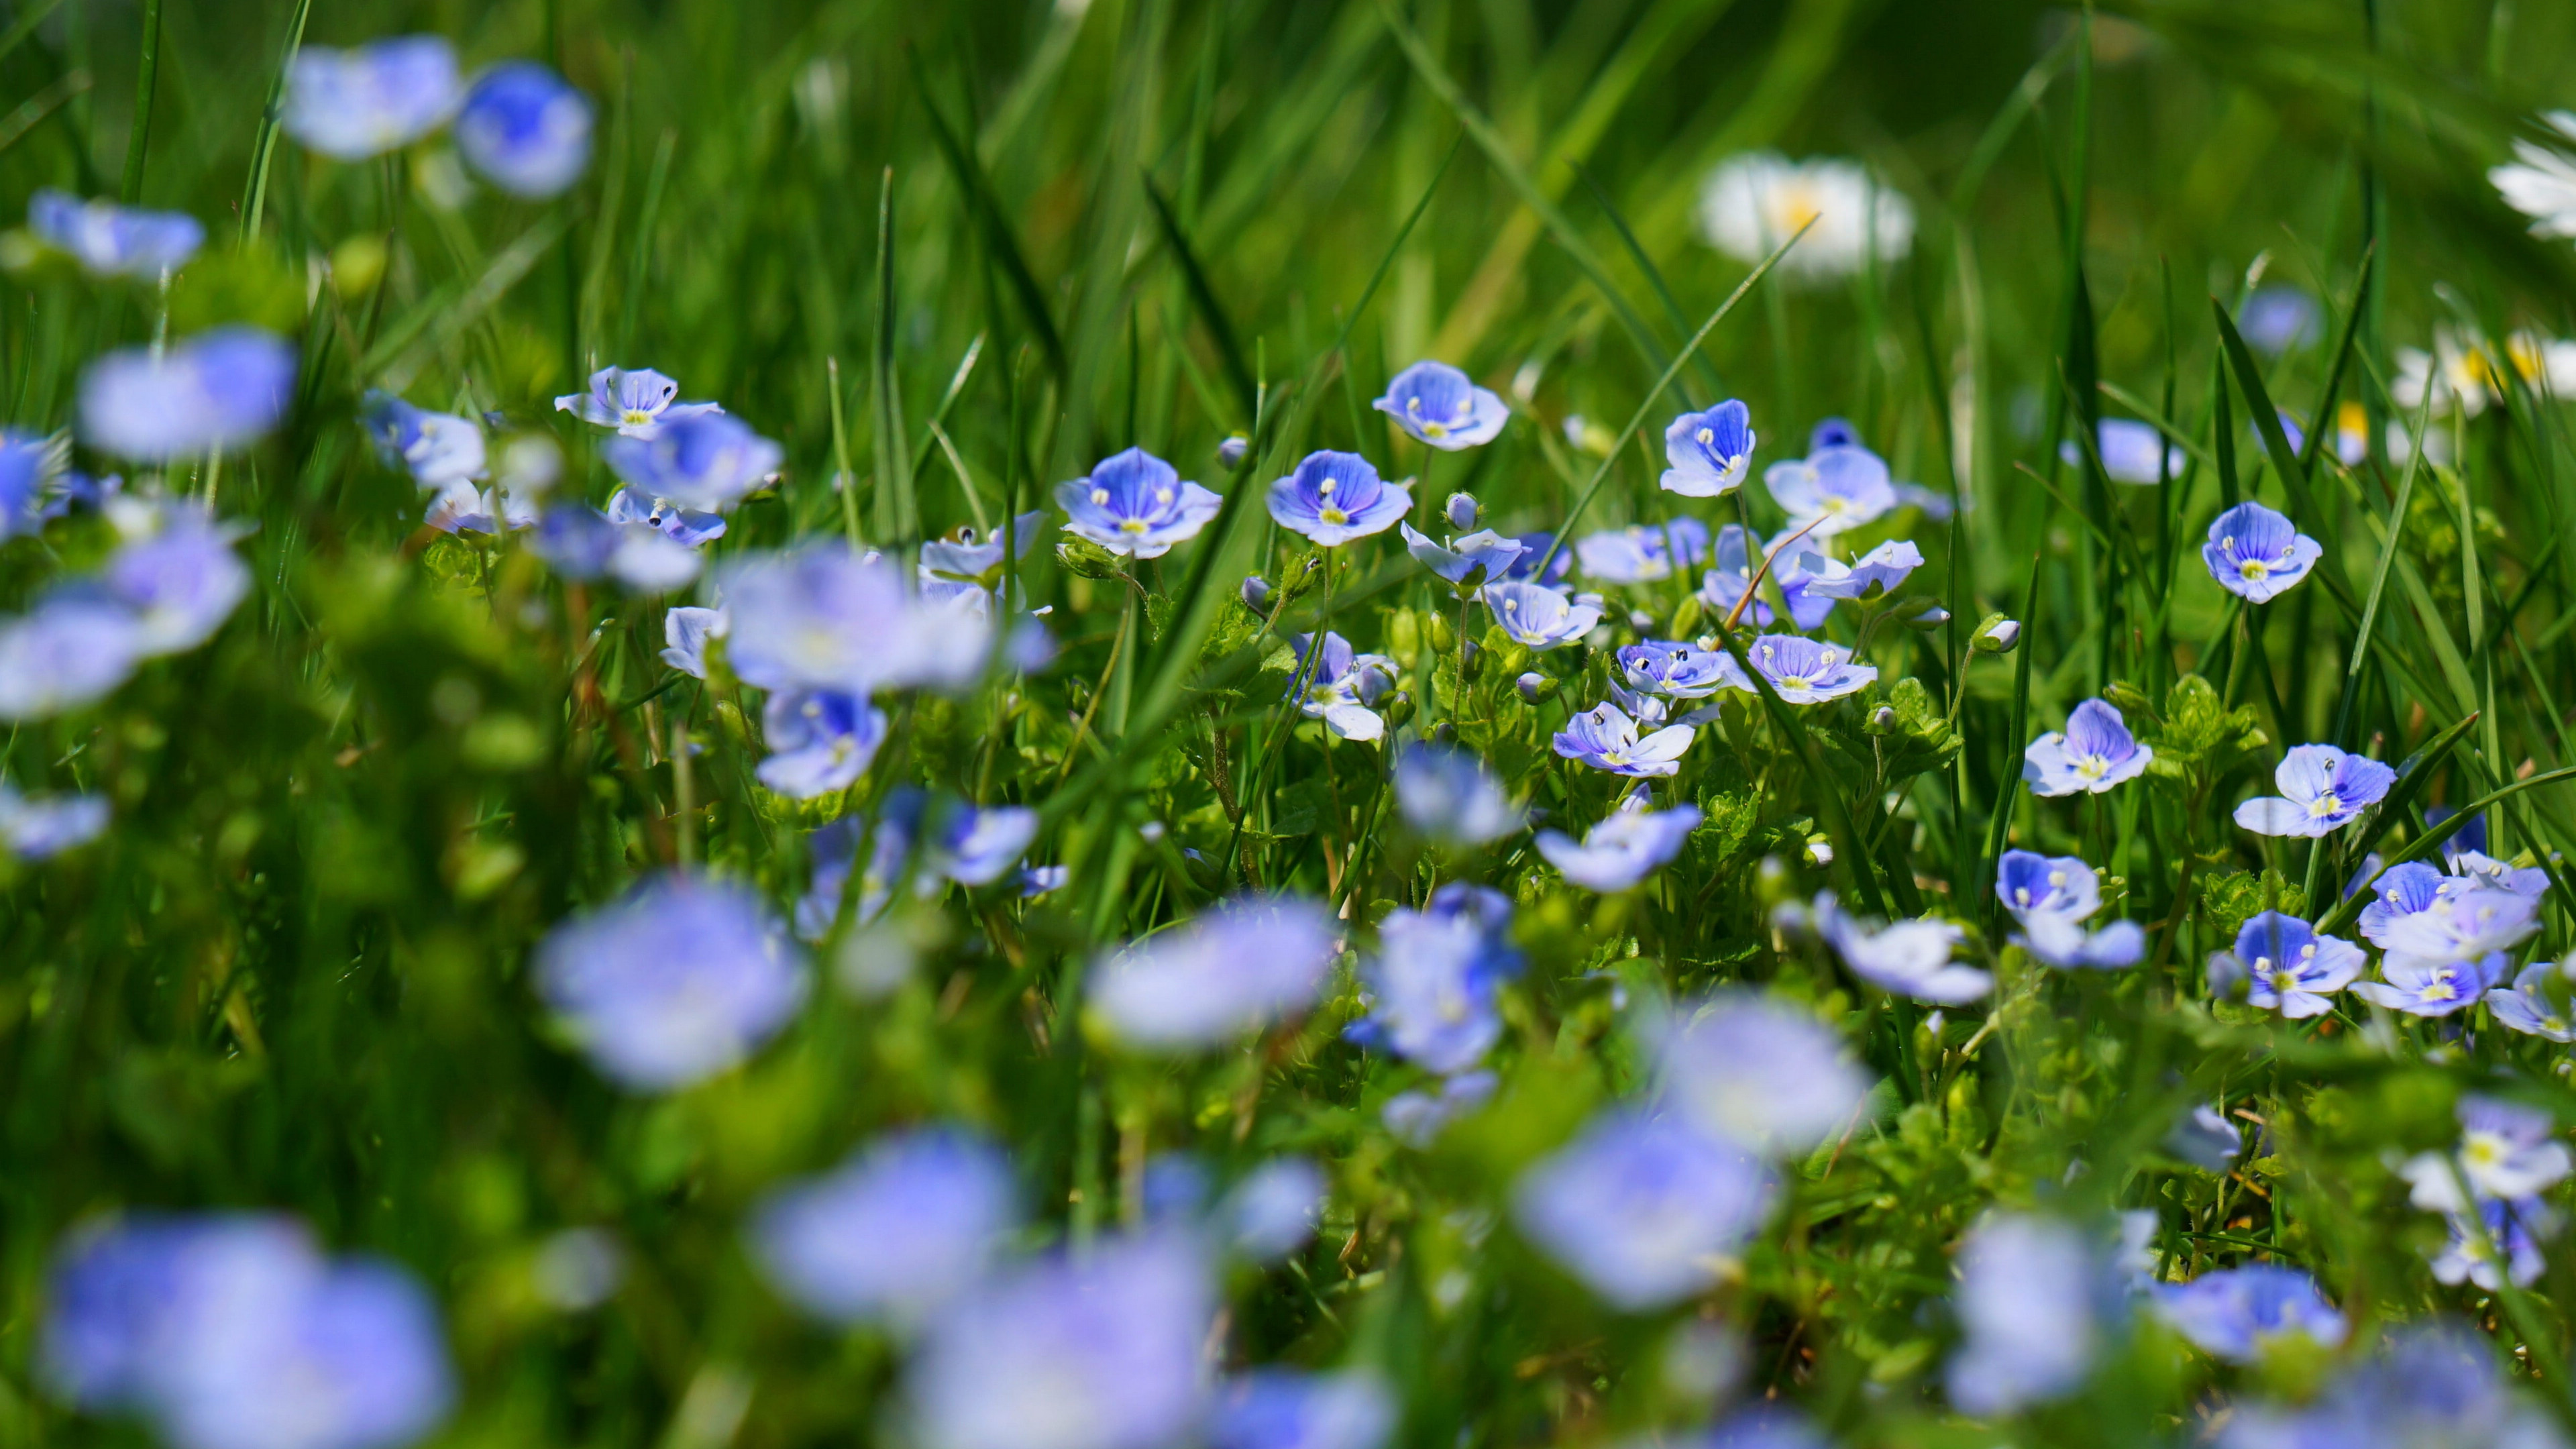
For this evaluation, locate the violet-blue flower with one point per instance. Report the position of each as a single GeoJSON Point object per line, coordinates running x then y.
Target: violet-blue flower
{"type": "Point", "coordinates": [1643, 1209]}
{"type": "Point", "coordinates": [682, 526]}
{"type": "Point", "coordinates": [2094, 753]}
{"type": "Point", "coordinates": [1800, 670]}
{"type": "Point", "coordinates": [29, 464]}
{"type": "Point", "coordinates": [1538, 616]}
{"type": "Point", "coordinates": [69, 651]}
{"type": "Point", "coordinates": [435, 448]}
{"type": "Point", "coordinates": [2277, 318]}
{"type": "Point", "coordinates": [2286, 966]}
{"type": "Point", "coordinates": [2032, 1302]}
{"type": "Point", "coordinates": [1674, 670]}
{"type": "Point", "coordinates": [2255, 553]}
{"type": "Point", "coordinates": [2050, 899]}
{"type": "Point", "coordinates": [679, 979]}
{"type": "Point", "coordinates": [1723, 586]}
{"type": "Point", "coordinates": [1237, 967]}
{"type": "Point", "coordinates": [1417, 1117]}
{"type": "Point", "coordinates": [1634, 842]}
{"type": "Point", "coordinates": [2234, 1312]}
{"type": "Point", "coordinates": [2531, 1007]}
{"type": "Point", "coordinates": [2132, 452]}
{"type": "Point", "coordinates": [1341, 687]}
{"type": "Point", "coordinates": [634, 401]}
{"type": "Point", "coordinates": [525, 130]}
{"type": "Point", "coordinates": [1443, 407]}
{"type": "Point", "coordinates": [822, 617]}
{"type": "Point", "coordinates": [1465, 554]}
{"type": "Point", "coordinates": [2506, 1151]}
{"type": "Point", "coordinates": [353, 104]}
{"type": "Point", "coordinates": [1879, 572]}
{"type": "Point", "coordinates": [1272, 1212]}
{"type": "Point", "coordinates": [1832, 490]}
{"type": "Point", "coordinates": [2323, 789]}
{"type": "Point", "coordinates": [1272, 1408]}
{"type": "Point", "coordinates": [2420, 987]}
{"type": "Point", "coordinates": [1708, 451]}
{"type": "Point", "coordinates": [1431, 989]}
{"type": "Point", "coordinates": [1767, 1074]}
{"type": "Point", "coordinates": [39, 827]}
{"type": "Point", "coordinates": [1449, 797]}
{"type": "Point", "coordinates": [975, 845]}
{"type": "Point", "coordinates": [710, 461]}
{"type": "Point", "coordinates": [819, 741]}
{"type": "Point", "coordinates": [1333, 498]}
{"type": "Point", "coordinates": [1606, 738]}
{"type": "Point", "coordinates": [1533, 546]}
{"type": "Point", "coordinates": [1644, 554]}
{"type": "Point", "coordinates": [109, 240]}
{"type": "Point", "coordinates": [2462, 925]}
{"type": "Point", "coordinates": [2514, 1232]}
{"type": "Point", "coordinates": [215, 391]}
{"type": "Point", "coordinates": [1904, 958]}
{"type": "Point", "coordinates": [893, 1233]}
{"type": "Point", "coordinates": [177, 573]}
{"type": "Point", "coordinates": [1136, 505]}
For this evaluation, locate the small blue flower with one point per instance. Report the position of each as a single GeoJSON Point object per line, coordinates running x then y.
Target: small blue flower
{"type": "Point", "coordinates": [834, 850]}
{"type": "Point", "coordinates": [2205, 1139]}
{"type": "Point", "coordinates": [40, 827]}
{"type": "Point", "coordinates": [1272, 1212]}
{"type": "Point", "coordinates": [710, 461]}
{"type": "Point", "coordinates": [1724, 586]}
{"type": "Point", "coordinates": [819, 741]}
{"type": "Point", "coordinates": [353, 104]}
{"type": "Point", "coordinates": [2132, 452]}
{"type": "Point", "coordinates": [1832, 490]}
{"type": "Point", "coordinates": [1761, 1072]}
{"type": "Point", "coordinates": [1234, 969]}
{"type": "Point", "coordinates": [2323, 789]}
{"type": "Point", "coordinates": [2404, 890]}
{"type": "Point", "coordinates": [1282, 1409]}
{"type": "Point", "coordinates": [2233, 1313]}
{"type": "Point", "coordinates": [2094, 754]}
{"type": "Point", "coordinates": [1538, 616]}
{"type": "Point", "coordinates": [1341, 687]}
{"type": "Point", "coordinates": [1441, 406]}
{"type": "Point", "coordinates": [435, 448]}
{"type": "Point", "coordinates": [823, 617]}
{"type": "Point", "coordinates": [2419, 987]}
{"type": "Point", "coordinates": [2277, 318]}
{"type": "Point", "coordinates": [581, 543]}
{"type": "Point", "coordinates": [1643, 1209]}
{"type": "Point", "coordinates": [69, 652]}
{"type": "Point", "coordinates": [2051, 898]}
{"type": "Point", "coordinates": [1709, 451]}
{"type": "Point", "coordinates": [2255, 553]}
{"type": "Point", "coordinates": [177, 574]}
{"type": "Point", "coordinates": [1879, 572]}
{"type": "Point", "coordinates": [2506, 1150]}
{"type": "Point", "coordinates": [966, 559]}
{"type": "Point", "coordinates": [2470, 923]}
{"type": "Point", "coordinates": [1833, 433]}
{"type": "Point", "coordinates": [1333, 498]}
{"type": "Point", "coordinates": [2033, 1303]}
{"type": "Point", "coordinates": [679, 979]}
{"type": "Point", "coordinates": [463, 508]}
{"type": "Point", "coordinates": [1449, 797]}
{"type": "Point", "coordinates": [1431, 990]}
{"type": "Point", "coordinates": [635, 402]}
{"type": "Point", "coordinates": [1633, 843]}
{"type": "Point", "coordinates": [1904, 958]}
{"type": "Point", "coordinates": [1532, 546]}
{"type": "Point", "coordinates": [2535, 1004]}
{"type": "Point", "coordinates": [1135, 504]}
{"type": "Point", "coordinates": [1675, 670]}
{"type": "Point", "coordinates": [2514, 1230]}
{"type": "Point", "coordinates": [1639, 554]}
{"type": "Point", "coordinates": [109, 240]}
{"type": "Point", "coordinates": [216, 391]}
{"type": "Point", "coordinates": [2286, 966]}
{"type": "Point", "coordinates": [1799, 670]}
{"type": "Point", "coordinates": [525, 130]}
{"type": "Point", "coordinates": [1038, 880]}
{"type": "Point", "coordinates": [892, 1234]}
{"type": "Point", "coordinates": [1417, 1117]}
{"type": "Point", "coordinates": [30, 464]}
{"type": "Point", "coordinates": [1483, 549]}
{"type": "Point", "coordinates": [974, 845]}
{"type": "Point", "coordinates": [686, 630]}
{"type": "Point", "coordinates": [1799, 570]}
{"type": "Point", "coordinates": [1605, 737]}
{"type": "Point", "coordinates": [680, 525]}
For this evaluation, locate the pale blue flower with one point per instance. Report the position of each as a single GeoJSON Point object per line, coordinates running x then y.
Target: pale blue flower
{"type": "Point", "coordinates": [2234, 1313]}
{"type": "Point", "coordinates": [463, 508]}
{"type": "Point", "coordinates": [1272, 1212]}
{"type": "Point", "coordinates": [1800, 569]}
{"type": "Point", "coordinates": [679, 979]}
{"type": "Point", "coordinates": [682, 526]}
{"type": "Point", "coordinates": [70, 651]}
{"type": "Point", "coordinates": [635, 402]}
{"type": "Point", "coordinates": [1878, 572]}
{"type": "Point", "coordinates": [2132, 452]}
{"type": "Point", "coordinates": [1273, 1408]}
{"type": "Point", "coordinates": [2420, 987]}
{"type": "Point", "coordinates": [2431, 1384]}
{"type": "Point", "coordinates": [1533, 545]}
{"type": "Point", "coordinates": [2514, 1231]}
{"type": "Point", "coordinates": [1833, 433]}
{"type": "Point", "coordinates": [2462, 925]}
{"type": "Point", "coordinates": [1639, 554]}
{"type": "Point", "coordinates": [892, 1234]}
{"type": "Point", "coordinates": [1606, 738]}
{"type": "Point", "coordinates": [1333, 498]}
{"type": "Point", "coordinates": [1255, 590]}
{"type": "Point", "coordinates": [1136, 505]}
{"type": "Point", "coordinates": [823, 617]}
{"type": "Point", "coordinates": [2051, 898]}
{"type": "Point", "coordinates": [215, 391]}
{"type": "Point", "coordinates": [1799, 670]}
{"type": "Point", "coordinates": [2277, 318]}
{"type": "Point", "coordinates": [1037, 880]}
{"type": "Point", "coordinates": [1764, 1073]}
{"type": "Point", "coordinates": [1905, 958]}
{"type": "Point", "coordinates": [1342, 686]}
{"type": "Point", "coordinates": [711, 461]}
{"type": "Point", "coordinates": [966, 559]}
{"type": "Point", "coordinates": [2205, 1139]}
{"type": "Point", "coordinates": [2255, 553]}
{"type": "Point", "coordinates": [2033, 1304]}
{"type": "Point", "coordinates": [435, 448]}
{"type": "Point", "coordinates": [1709, 451]}
{"type": "Point", "coordinates": [2095, 753]}
{"type": "Point", "coordinates": [1675, 670]}
{"type": "Point", "coordinates": [581, 543]}
{"type": "Point", "coordinates": [2506, 1151]}
{"type": "Point", "coordinates": [1538, 616]}
{"type": "Point", "coordinates": [1441, 406]}
{"type": "Point", "coordinates": [525, 130]}
{"type": "Point", "coordinates": [1431, 989]}
{"type": "Point", "coordinates": [39, 827]}
{"type": "Point", "coordinates": [2286, 966]}
{"type": "Point", "coordinates": [29, 465]}
{"type": "Point", "coordinates": [2530, 1006]}
{"type": "Point", "coordinates": [176, 573]}
{"type": "Point", "coordinates": [1633, 843]}
{"type": "Point", "coordinates": [1238, 967]}
{"type": "Point", "coordinates": [834, 850]}
{"type": "Point", "coordinates": [109, 240]}
{"type": "Point", "coordinates": [2323, 789]}
{"type": "Point", "coordinates": [1417, 1117]}
{"type": "Point", "coordinates": [1449, 797]}
{"type": "Point", "coordinates": [1100, 1351]}
{"type": "Point", "coordinates": [1723, 586]}
{"type": "Point", "coordinates": [1643, 1210]}
{"type": "Point", "coordinates": [974, 845]}
{"type": "Point", "coordinates": [353, 104]}
{"type": "Point", "coordinates": [1832, 490]}
{"type": "Point", "coordinates": [1483, 549]}
{"type": "Point", "coordinates": [819, 741]}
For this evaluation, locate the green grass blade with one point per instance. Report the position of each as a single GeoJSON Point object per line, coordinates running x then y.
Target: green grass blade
{"type": "Point", "coordinates": [1001, 241]}
{"type": "Point", "coordinates": [1211, 311]}
{"type": "Point", "coordinates": [2008, 783]}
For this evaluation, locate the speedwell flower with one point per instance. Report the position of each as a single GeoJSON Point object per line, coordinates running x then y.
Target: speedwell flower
{"type": "Point", "coordinates": [1832, 490]}
{"type": "Point", "coordinates": [72, 649]}
{"type": "Point", "coordinates": [1431, 990]}
{"type": "Point", "coordinates": [1639, 554]}
{"type": "Point", "coordinates": [1767, 1074]}
{"type": "Point", "coordinates": [685, 632]}
{"type": "Point", "coordinates": [1342, 685]}
{"type": "Point", "coordinates": [2323, 789]}
{"type": "Point", "coordinates": [1879, 572]}
{"type": "Point", "coordinates": [634, 401]}
{"type": "Point", "coordinates": [710, 461]}
{"type": "Point", "coordinates": [678, 980]}
{"type": "Point", "coordinates": [2419, 987]}
{"type": "Point", "coordinates": [177, 573]}
{"type": "Point", "coordinates": [2530, 1007]}
{"type": "Point", "coordinates": [1228, 971]}
{"type": "Point", "coordinates": [2233, 1313]}
{"type": "Point", "coordinates": [1905, 958]}
{"type": "Point", "coordinates": [1642, 1209]}
{"type": "Point", "coordinates": [893, 1233]}
{"type": "Point", "coordinates": [2095, 753]}
{"type": "Point", "coordinates": [1135, 504]}
{"type": "Point", "coordinates": [109, 240]}
{"type": "Point", "coordinates": [1333, 498]}
{"type": "Point", "coordinates": [1443, 407]}
{"type": "Point", "coordinates": [2032, 1298]}
{"type": "Point", "coordinates": [1538, 616]}
{"type": "Point", "coordinates": [2506, 1151]}
{"type": "Point", "coordinates": [1448, 796]}
{"type": "Point", "coordinates": [353, 104]}
{"type": "Point", "coordinates": [215, 391]}
{"type": "Point", "coordinates": [437, 449]}
{"type": "Point", "coordinates": [1272, 1408]}
{"type": "Point", "coordinates": [1632, 844]}
{"type": "Point", "coordinates": [1709, 451]}
{"type": "Point", "coordinates": [1483, 549]}
{"type": "Point", "coordinates": [2132, 452]}
{"type": "Point", "coordinates": [2286, 966]}
{"type": "Point", "coordinates": [1605, 738]}
{"type": "Point", "coordinates": [1800, 670]}
{"type": "Point", "coordinates": [2051, 899]}
{"type": "Point", "coordinates": [2256, 554]}
{"type": "Point", "coordinates": [1676, 670]}
{"type": "Point", "coordinates": [819, 741]}
{"type": "Point", "coordinates": [525, 129]}
{"type": "Point", "coordinates": [1724, 586]}
{"type": "Point", "coordinates": [2514, 1231]}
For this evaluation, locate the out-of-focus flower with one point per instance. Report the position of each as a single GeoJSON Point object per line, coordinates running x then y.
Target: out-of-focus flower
{"type": "Point", "coordinates": [1606, 738]}
{"type": "Point", "coordinates": [1283, 1409]}
{"type": "Point", "coordinates": [824, 618]}
{"type": "Point", "coordinates": [1639, 554]}
{"type": "Point", "coordinates": [710, 461]}
{"type": "Point", "coordinates": [1905, 958]}
{"type": "Point", "coordinates": [353, 104]}
{"type": "Point", "coordinates": [635, 402]}
{"type": "Point", "coordinates": [2233, 1313]}
{"type": "Point", "coordinates": [2467, 924]}
{"type": "Point", "coordinates": [2462, 372]}
{"type": "Point", "coordinates": [1333, 498]}
{"type": "Point", "coordinates": [2205, 1139]}
{"type": "Point", "coordinates": [176, 572]}
{"type": "Point", "coordinates": [834, 850]}
{"type": "Point", "coordinates": [1417, 1117]}
{"type": "Point", "coordinates": [1100, 1351]}
{"type": "Point", "coordinates": [1465, 554]}
{"type": "Point", "coordinates": [2277, 318]}
{"type": "Point", "coordinates": [682, 526]}
{"type": "Point", "coordinates": [974, 845]}
{"type": "Point", "coordinates": [2431, 1384]}
{"type": "Point", "coordinates": [581, 543]}
{"type": "Point", "coordinates": [892, 1234]}
{"type": "Point", "coordinates": [2323, 789]}
{"type": "Point", "coordinates": [29, 465]}
{"type": "Point", "coordinates": [39, 827]}
{"type": "Point", "coordinates": [2506, 1151]}
{"type": "Point", "coordinates": [2132, 452]}
{"type": "Point", "coordinates": [1709, 451]}
{"type": "Point", "coordinates": [525, 129]}
{"type": "Point", "coordinates": [1443, 407]}
{"type": "Point", "coordinates": [1800, 670]}
{"type": "Point", "coordinates": [1135, 505]}
{"type": "Point", "coordinates": [2256, 554]}
{"type": "Point", "coordinates": [1533, 545]}
{"type": "Point", "coordinates": [463, 508]}
{"type": "Point", "coordinates": [819, 741]}
{"type": "Point", "coordinates": [1832, 490]}
{"type": "Point", "coordinates": [676, 981]}
{"type": "Point", "coordinates": [1879, 572]}
{"type": "Point", "coordinates": [1633, 843]}
{"type": "Point", "coordinates": [2540, 182]}
{"type": "Point", "coordinates": [2529, 1007]}
{"type": "Point", "coordinates": [1643, 1209]}
{"type": "Point", "coordinates": [1538, 616]}
{"type": "Point", "coordinates": [109, 240]}
{"type": "Point", "coordinates": [1754, 202]}
{"type": "Point", "coordinates": [1431, 987]}
{"type": "Point", "coordinates": [1232, 969]}
{"type": "Point", "coordinates": [578, 1269]}
{"type": "Point", "coordinates": [2032, 1301]}
{"type": "Point", "coordinates": [1449, 797]}
{"type": "Point", "coordinates": [2513, 1234]}
{"type": "Point", "coordinates": [435, 448]}
{"type": "Point", "coordinates": [71, 650]}
{"type": "Point", "coordinates": [2095, 753]}
{"type": "Point", "coordinates": [1758, 1072]}
{"type": "Point", "coordinates": [215, 391]}
{"type": "Point", "coordinates": [1272, 1212]}
{"type": "Point", "coordinates": [2050, 899]}
{"type": "Point", "coordinates": [1343, 686]}
{"type": "Point", "coordinates": [2286, 966]}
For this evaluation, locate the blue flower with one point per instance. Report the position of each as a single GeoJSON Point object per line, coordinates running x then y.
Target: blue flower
{"type": "Point", "coordinates": [1236, 968]}
{"type": "Point", "coordinates": [2506, 1151]}
{"type": "Point", "coordinates": [1448, 796]}
{"type": "Point", "coordinates": [1462, 510]}
{"type": "Point", "coordinates": [2531, 1007]}
{"type": "Point", "coordinates": [2420, 987]}
{"type": "Point", "coordinates": [353, 104]}
{"type": "Point", "coordinates": [2255, 553]}
{"type": "Point", "coordinates": [525, 130]}
{"type": "Point", "coordinates": [2032, 1301]}
{"type": "Point", "coordinates": [1532, 546]}
{"type": "Point", "coordinates": [1709, 451]}
{"type": "Point", "coordinates": [39, 827]}
{"type": "Point", "coordinates": [2132, 452]}
{"type": "Point", "coordinates": [2231, 1314]}
{"type": "Point", "coordinates": [1135, 504]}
{"type": "Point", "coordinates": [2277, 318]}
{"type": "Point", "coordinates": [1333, 498]}
{"type": "Point", "coordinates": [215, 391]}
{"type": "Point", "coordinates": [1441, 406]}
{"type": "Point", "coordinates": [1906, 958]}
{"type": "Point", "coordinates": [1633, 843]}
{"type": "Point", "coordinates": [819, 741]}
{"type": "Point", "coordinates": [2050, 898]}
{"type": "Point", "coordinates": [710, 461]}
{"type": "Point", "coordinates": [1538, 616]}
{"type": "Point", "coordinates": [1879, 572]}
{"type": "Point", "coordinates": [2514, 1230]}
{"type": "Point", "coordinates": [1431, 990]}
{"type": "Point", "coordinates": [1832, 490]}
{"type": "Point", "coordinates": [1643, 1209]}
{"type": "Point", "coordinates": [824, 618]}
{"type": "Point", "coordinates": [974, 845]}
{"type": "Point", "coordinates": [634, 402]}
{"type": "Point", "coordinates": [29, 465]}
{"type": "Point", "coordinates": [1483, 549]}
{"type": "Point", "coordinates": [1282, 1409]}
{"type": "Point", "coordinates": [681, 526]}
{"type": "Point", "coordinates": [2467, 924]}
{"type": "Point", "coordinates": [1767, 1074]}
{"type": "Point", "coordinates": [2095, 753]}
{"type": "Point", "coordinates": [1101, 1351]}
{"type": "Point", "coordinates": [1833, 433]}
{"type": "Point", "coordinates": [834, 850]}
{"type": "Point", "coordinates": [965, 559]}
{"type": "Point", "coordinates": [2404, 890]}
{"type": "Point", "coordinates": [679, 979]}
{"type": "Point", "coordinates": [1638, 554]}
{"type": "Point", "coordinates": [2323, 789]}
{"type": "Point", "coordinates": [1799, 570]}
{"type": "Point", "coordinates": [893, 1233]}
{"type": "Point", "coordinates": [463, 508]}
{"type": "Point", "coordinates": [1341, 687]}
{"type": "Point", "coordinates": [435, 448]}
{"type": "Point", "coordinates": [1723, 586]}
{"type": "Point", "coordinates": [109, 240]}
{"type": "Point", "coordinates": [1672, 669]}
{"type": "Point", "coordinates": [1606, 738]}
{"type": "Point", "coordinates": [581, 543]}
{"type": "Point", "coordinates": [2205, 1139]}
{"type": "Point", "coordinates": [177, 574]}
{"type": "Point", "coordinates": [2286, 966]}
{"type": "Point", "coordinates": [2430, 1384]}
{"type": "Point", "coordinates": [70, 651]}
{"type": "Point", "coordinates": [1417, 1117]}
{"type": "Point", "coordinates": [1800, 670]}
{"type": "Point", "coordinates": [1272, 1212]}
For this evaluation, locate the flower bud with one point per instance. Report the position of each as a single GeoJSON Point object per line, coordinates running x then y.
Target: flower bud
{"type": "Point", "coordinates": [1997, 635]}
{"type": "Point", "coordinates": [1471, 661]}
{"type": "Point", "coordinates": [1435, 627]}
{"type": "Point", "coordinates": [1230, 453]}
{"type": "Point", "coordinates": [1398, 709]}
{"type": "Point", "coordinates": [1082, 557]}
{"type": "Point", "coordinates": [1256, 593]}
{"type": "Point", "coordinates": [1534, 686]}
{"type": "Point", "coordinates": [1444, 733]}
{"type": "Point", "coordinates": [1462, 511]}
{"type": "Point", "coordinates": [1929, 619]}
{"type": "Point", "coordinates": [1882, 720]}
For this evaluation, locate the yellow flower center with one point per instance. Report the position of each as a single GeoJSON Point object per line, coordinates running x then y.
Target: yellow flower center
{"type": "Point", "coordinates": [1131, 525]}
{"type": "Point", "coordinates": [1334, 515]}
{"type": "Point", "coordinates": [637, 417]}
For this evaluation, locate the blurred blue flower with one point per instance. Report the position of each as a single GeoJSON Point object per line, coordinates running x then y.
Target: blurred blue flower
{"type": "Point", "coordinates": [2205, 1139]}
{"type": "Point", "coordinates": [39, 827]}
{"type": "Point", "coordinates": [1101, 1351]}
{"type": "Point", "coordinates": [1273, 1408]}
{"type": "Point", "coordinates": [1879, 572]}
{"type": "Point", "coordinates": [2506, 1151]}
{"type": "Point", "coordinates": [1538, 616]}
{"type": "Point", "coordinates": [2514, 1232]}
{"type": "Point", "coordinates": [215, 391]}
{"type": "Point", "coordinates": [582, 544]}
{"type": "Point", "coordinates": [1526, 566]}
{"type": "Point", "coordinates": [2286, 966]}
{"type": "Point", "coordinates": [435, 448]}
{"type": "Point", "coordinates": [2420, 987]}
{"type": "Point", "coordinates": [2277, 318]}
{"type": "Point", "coordinates": [2462, 925]}
{"type": "Point", "coordinates": [1643, 1209]}
{"type": "Point", "coordinates": [819, 741]}
{"type": "Point", "coordinates": [1463, 555]}
{"type": "Point", "coordinates": [1333, 498]}
{"type": "Point", "coordinates": [1723, 586]}
{"type": "Point", "coordinates": [2256, 554]}
{"type": "Point", "coordinates": [966, 559]}
{"type": "Point", "coordinates": [1431, 989]}
{"type": "Point", "coordinates": [1449, 797]}
{"type": "Point", "coordinates": [1037, 880]}
{"type": "Point", "coordinates": [109, 240]}
{"type": "Point", "coordinates": [2432, 1384]}
{"type": "Point", "coordinates": [2032, 1302]}
{"type": "Point", "coordinates": [176, 573]}
{"type": "Point", "coordinates": [1606, 738]}
{"type": "Point", "coordinates": [2095, 753]}
{"type": "Point", "coordinates": [1417, 1117]}
{"type": "Point", "coordinates": [2323, 789]}
{"type": "Point", "coordinates": [1341, 687]}
{"type": "Point", "coordinates": [71, 650]}
{"type": "Point", "coordinates": [893, 1233]}
{"type": "Point", "coordinates": [353, 104]}
{"type": "Point", "coordinates": [1833, 433]}
{"type": "Point", "coordinates": [1639, 554]}
{"type": "Point", "coordinates": [823, 617]}
{"type": "Point", "coordinates": [682, 526]}
{"type": "Point", "coordinates": [1709, 451]}
{"type": "Point", "coordinates": [525, 130]}
{"type": "Point", "coordinates": [710, 461]}
{"type": "Point", "coordinates": [1633, 843]}
{"type": "Point", "coordinates": [1799, 670]}
{"type": "Point", "coordinates": [2232, 1313]}
{"type": "Point", "coordinates": [834, 849]}
{"type": "Point", "coordinates": [1441, 406]}
{"type": "Point", "coordinates": [1832, 490]}
{"type": "Point", "coordinates": [1234, 968]}
{"type": "Point", "coordinates": [635, 402]}
{"type": "Point", "coordinates": [1135, 504]}
{"type": "Point", "coordinates": [974, 845]}
{"type": "Point", "coordinates": [679, 979]}
{"type": "Point", "coordinates": [2529, 1006]}
{"type": "Point", "coordinates": [1272, 1212]}
{"type": "Point", "coordinates": [1763, 1073]}
{"type": "Point", "coordinates": [463, 508]}
{"type": "Point", "coordinates": [2132, 452]}
{"type": "Point", "coordinates": [29, 465]}
{"type": "Point", "coordinates": [1904, 958]}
